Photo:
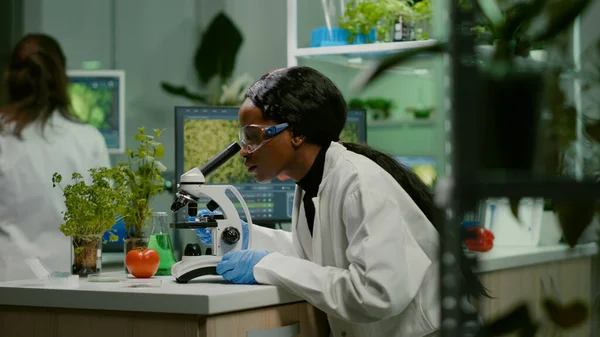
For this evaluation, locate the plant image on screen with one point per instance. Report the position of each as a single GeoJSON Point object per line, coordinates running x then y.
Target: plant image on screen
{"type": "Point", "coordinates": [93, 106]}
{"type": "Point", "coordinates": [350, 133]}
{"type": "Point", "coordinates": [203, 139]}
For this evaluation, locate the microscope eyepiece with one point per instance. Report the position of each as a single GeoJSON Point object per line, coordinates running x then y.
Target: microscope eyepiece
{"type": "Point", "coordinates": [220, 158]}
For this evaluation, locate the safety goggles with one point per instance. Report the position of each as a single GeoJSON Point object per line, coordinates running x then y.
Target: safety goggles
{"type": "Point", "coordinates": [253, 137]}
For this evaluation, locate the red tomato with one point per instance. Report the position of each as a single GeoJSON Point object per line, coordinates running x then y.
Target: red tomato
{"type": "Point", "coordinates": [479, 245]}
{"type": "Point", "coordinates": [142, 262]}
{"type": "Point", "coordinates": [483, 240]}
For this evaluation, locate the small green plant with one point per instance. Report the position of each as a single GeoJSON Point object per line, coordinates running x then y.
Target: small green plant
{"type": "Point", "coordinates": [380, 108]}
{"type": "Point", "coordinates": [92, 209]}
{"type": "Point", "coordinates": [362, 17]}
{"type": "Point", "coordinates": [144, 181]}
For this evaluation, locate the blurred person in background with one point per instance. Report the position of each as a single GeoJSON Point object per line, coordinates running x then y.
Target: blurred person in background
{"type": "Point", "coordinates": [39, 135]}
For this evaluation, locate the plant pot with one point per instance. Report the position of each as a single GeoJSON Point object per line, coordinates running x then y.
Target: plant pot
{"type": "Point", "coordinates": [86, 255]}
{"type": "Point", "coordinates": [422, 114]}
{"type": "Point", "coordinates": [510, 122]}
{"type": "Point", "coordinates": [130, 244]}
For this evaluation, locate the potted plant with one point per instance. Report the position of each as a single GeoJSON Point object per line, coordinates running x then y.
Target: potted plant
{"type": "Point", "coordinates": [144, 181]}
{"type": "Point", "coordinates": [378, 108]}
{"type": "Point", "coordinates": [361, 18]}
{"type": "Point", "coordinates": [214, 62]}
{"type": "Point", "coordinates": [91, 210]}
{"type": "Point", "coordinates": [421, 112]}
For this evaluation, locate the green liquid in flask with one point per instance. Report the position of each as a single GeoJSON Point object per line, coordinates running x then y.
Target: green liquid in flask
{"type": "Point", "coordinates": [161, 243]}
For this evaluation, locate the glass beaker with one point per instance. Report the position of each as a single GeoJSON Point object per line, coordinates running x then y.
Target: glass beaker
{"type": "Point", "coordinates": [160, 241]}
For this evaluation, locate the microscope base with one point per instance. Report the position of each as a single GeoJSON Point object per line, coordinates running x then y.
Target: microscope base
{"type": "Point", "coordinates": [191, 267]}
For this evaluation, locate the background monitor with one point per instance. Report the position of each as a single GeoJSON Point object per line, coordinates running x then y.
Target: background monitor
{"type": "Point", "coordinates": [98, 98]}
{"type": "Point", "coordinates": [424, 166]}
{"type": "Point", "coordinates": [201, 132]}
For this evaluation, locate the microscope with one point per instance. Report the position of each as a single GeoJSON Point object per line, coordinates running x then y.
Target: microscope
{"type": "Point", "coordinates": [226, 228]}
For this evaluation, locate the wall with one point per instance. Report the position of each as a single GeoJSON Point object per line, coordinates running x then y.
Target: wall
{"type": "Point", "coordinates": [262, 23]}
{"type": "Point", "coordinates": [151, 40]}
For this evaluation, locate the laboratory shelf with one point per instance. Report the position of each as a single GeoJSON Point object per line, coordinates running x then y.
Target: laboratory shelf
{"type": "Point", "coordinates": [550, 189]}
{"type": "Point", "coordinates": [362, 50]}
{"type": "Point", "coordinates": [362, 56]}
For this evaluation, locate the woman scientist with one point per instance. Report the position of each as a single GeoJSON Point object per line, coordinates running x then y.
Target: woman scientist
{"type": "Point", "coordinates": [39, 135]}
{"type": "Point", "coordinates": [362, 248]}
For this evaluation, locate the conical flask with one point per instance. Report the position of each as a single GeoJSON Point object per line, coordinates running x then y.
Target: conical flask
{"type": "Point", "coordinates": [160, 241]}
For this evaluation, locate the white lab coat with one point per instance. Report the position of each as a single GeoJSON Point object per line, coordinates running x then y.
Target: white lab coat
{"type": "Point", "coordinates": [27, 198]}
{"type": "Point", "coordinates": [372, 262]}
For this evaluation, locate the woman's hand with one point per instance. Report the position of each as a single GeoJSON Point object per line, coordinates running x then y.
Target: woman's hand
{"type": "Point", "coordinates": [238, 266]}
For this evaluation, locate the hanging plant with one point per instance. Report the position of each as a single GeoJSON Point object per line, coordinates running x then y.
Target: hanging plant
{"type": "Point", "coordinates": [214, 62]}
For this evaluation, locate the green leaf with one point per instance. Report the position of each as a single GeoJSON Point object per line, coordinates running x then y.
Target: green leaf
{"type": "Point", "coordinates": [593, 130]}
{"type": "Point", "coordinates": [574, 217]}
{"type": "Point", "coordinates": [492, 12]}
{"type": "Point", "coordinates": [139, 136]}
{"type": "Point", "coordinates": [218, 49]}
{"type": "Point", "coordinates": [562, 15]}
{"type": "Point", "coordinates": [514, 207]}
{"type": "Point", "coordinates": [160, 167]}
{"type": "Point", "coordinates": [371, 74]}
{"type": "Point", "coordinates": [519, 15]}
{"type": "Point", "coordinates": [159, 151]}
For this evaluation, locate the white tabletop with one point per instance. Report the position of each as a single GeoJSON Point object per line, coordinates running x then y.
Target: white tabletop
{"type": "Point", "coordinates": [207, 295]}
{"type": "Point", "coordinates": [211, 295]}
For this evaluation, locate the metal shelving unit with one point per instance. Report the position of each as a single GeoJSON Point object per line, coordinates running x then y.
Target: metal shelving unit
{"type": "Point", "coordinates": [468, 186]}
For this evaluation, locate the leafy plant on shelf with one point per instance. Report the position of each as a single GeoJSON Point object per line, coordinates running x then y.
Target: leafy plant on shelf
{"type": "Point", "coordinates": [423, 10]}
{"type": "Point", "coordinates": [144, 181]}
{"type": "Point", "coordinates": [214, 62]}
{"type": "Point", "coordinates": [92, 208]}
{"type": "Point", "coordinates": [380, 108]}
{"type": "Point", "coordinates": [361, 17]}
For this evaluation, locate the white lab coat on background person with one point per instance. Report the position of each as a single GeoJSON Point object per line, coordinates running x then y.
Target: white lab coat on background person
{"type": "Point", "coordinates": [372, 262]}
{"type": "Point", "coordinates": [27, 199]}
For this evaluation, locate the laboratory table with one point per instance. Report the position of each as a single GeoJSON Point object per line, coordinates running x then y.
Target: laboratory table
{"type": "Point", "coordinates": [211, 307]}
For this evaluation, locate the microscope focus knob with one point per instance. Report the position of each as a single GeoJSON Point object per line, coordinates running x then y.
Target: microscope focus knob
{"type": "Point", "coordinates": [231, 235]}
{"type": "Point", "coordinates": [192, 249]}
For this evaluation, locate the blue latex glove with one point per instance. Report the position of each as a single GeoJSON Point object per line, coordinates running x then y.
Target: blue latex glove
{"type": "Point", "coordinates": [238, 266]}
{"type": "Point", "coordinates": [205, 234]}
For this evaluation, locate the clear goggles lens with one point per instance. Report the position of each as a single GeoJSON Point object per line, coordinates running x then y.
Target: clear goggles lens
{"type": "Point", "coordinates": [252, 137]}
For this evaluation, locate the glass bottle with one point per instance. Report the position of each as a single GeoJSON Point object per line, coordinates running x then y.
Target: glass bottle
{"type": "Point", "coordinates": [160, 241]}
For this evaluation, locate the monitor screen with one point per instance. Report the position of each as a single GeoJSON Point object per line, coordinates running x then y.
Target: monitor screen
{"type": "Point", "coordinates": [425, 167]}
{"type": "Point", "coordinates": [98, 98]}
{"type": "Point", "coordinates": [202, 132]}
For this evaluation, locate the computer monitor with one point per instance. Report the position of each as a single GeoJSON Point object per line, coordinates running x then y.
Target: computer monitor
{"type": "Point", "coordinates": [98, 98]}
{"type": "Point", "coordinates": [201, 132]}
{"type": "Point", "coordinates": [424, 166]}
